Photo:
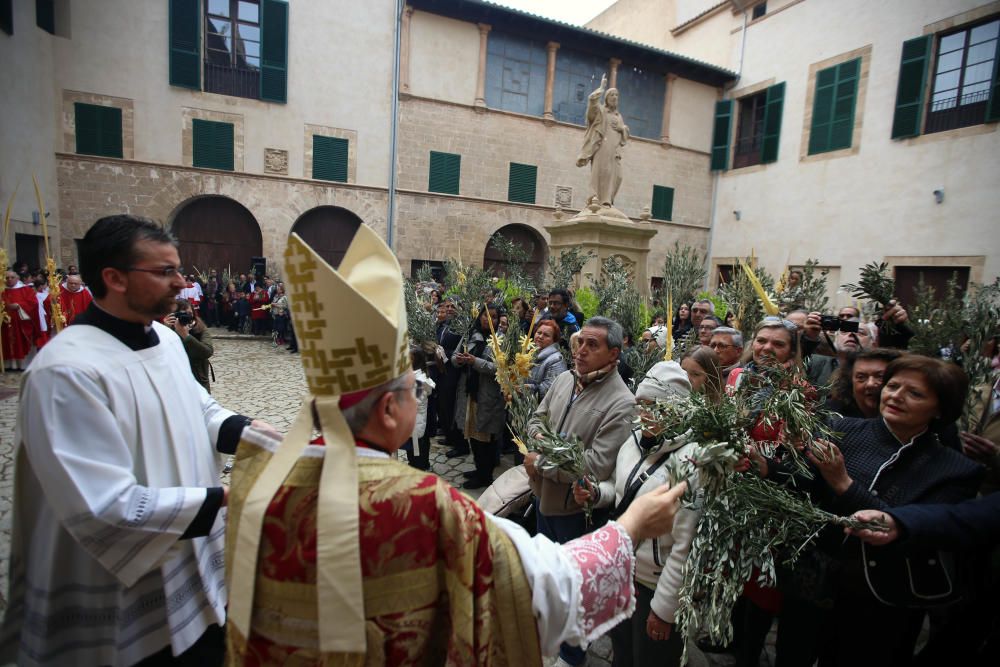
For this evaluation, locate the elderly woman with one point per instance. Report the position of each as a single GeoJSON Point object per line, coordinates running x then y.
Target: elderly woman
{"type": "Point", "coordinates": [480, 409]}
{"type": "Point", "coordinates": [549, 362]}
{"type": "Point", "coordinates": [648, 637]}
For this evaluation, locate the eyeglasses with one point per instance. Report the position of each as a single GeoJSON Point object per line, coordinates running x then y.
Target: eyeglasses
{"type": "Point", "coordinates": [720, 346]}
{"type": "Point", "coordinates": [708, 327]}
{"type": "Point", "coordinates": [165, 272]}
{"type": "Point", "coordinates": [417, 388]}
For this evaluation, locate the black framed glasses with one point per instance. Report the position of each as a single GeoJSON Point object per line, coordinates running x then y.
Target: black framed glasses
{"type": "Point", "coordinates": [165, 272]}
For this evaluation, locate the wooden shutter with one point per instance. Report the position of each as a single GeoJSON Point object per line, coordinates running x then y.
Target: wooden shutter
{"type": "Point", "coordinates": [773, 107]}
{"type": "Point", "coordinates": [663, 203]}
{"type": "Point", "coordinates": [445, 173]}
{"type": "Point", "coordinates": [212, 144]}
{"type": "Point", "coordinates": [98, 130]}
{"type": "Point", "coordinates": [833, 107]}
{"type": "Point", "coordinates": [185, 43]}
{"type": "Point", "coordinates": [330, 158]}
{"type": "Point", "coordinates": [274, 51]}
{"type": "Point", "coordinates": [720, 135]}
{"type": "Point", "coordinates": [993, 108]}
{"type": "Point", "coordinates": [521, 183]}
{"type": "Point", "coordinates": [45, 15]}
{"type": "Point", "coordinates": [910, 89]}
{"type": "Point", "coordinates": [7, 16]}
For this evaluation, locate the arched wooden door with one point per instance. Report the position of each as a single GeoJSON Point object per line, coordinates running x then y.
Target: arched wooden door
{"type": "Point", "coordinates": [329, 230]}
{"type": "Point", "coordinates": [217, 233]}
{"type": "Point", "coordinates": [530, 242]}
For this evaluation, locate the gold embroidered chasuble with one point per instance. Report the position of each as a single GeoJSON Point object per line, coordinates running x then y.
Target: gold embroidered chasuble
{"type": "Point", "coordinates": [442, 585]}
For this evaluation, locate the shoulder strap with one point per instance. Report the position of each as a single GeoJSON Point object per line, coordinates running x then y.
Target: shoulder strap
{"type": "Point", "coordinates": [633, 486]}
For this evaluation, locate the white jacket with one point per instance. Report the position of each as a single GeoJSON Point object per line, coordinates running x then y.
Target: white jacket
{"type": "Point", "coordinates": [420, 425]}
{"type": "Point", "coordinates": [659, 563]}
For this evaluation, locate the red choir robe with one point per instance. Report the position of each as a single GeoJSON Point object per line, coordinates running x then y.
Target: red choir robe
{"type": "Point", "coordinates": [74, 303]}
{"type": "Point", "coordinates": [19, 329]}
{"type": "Point", "coordinates": [257, 301]}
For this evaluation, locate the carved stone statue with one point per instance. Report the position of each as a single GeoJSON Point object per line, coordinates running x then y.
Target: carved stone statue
{"type": "Point", "coordinates": [606, 135]}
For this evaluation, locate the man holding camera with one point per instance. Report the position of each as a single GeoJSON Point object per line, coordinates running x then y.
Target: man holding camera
{"type": "Point", "coordinates": [117, 539]}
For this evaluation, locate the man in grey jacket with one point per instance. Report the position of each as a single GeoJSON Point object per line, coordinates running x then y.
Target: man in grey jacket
{"type": "Point", "coordinates": [593, 403]}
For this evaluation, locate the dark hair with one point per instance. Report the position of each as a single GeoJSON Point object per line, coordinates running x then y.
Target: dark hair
{"type": "Point", "coordinates": [418, 358]}
{"type": "Point", "coordinates": [563, 294]}
{"type": "Point", "coordinates": [199, 325]}
{"type": "Point", "coordinates": [111, 242]}
{"type": "Point", "coordinates": [496, 320]}
{"type": "Point", "coordinates": [946, 379]}
{"type": "Point", "coordinates": [842, 385]}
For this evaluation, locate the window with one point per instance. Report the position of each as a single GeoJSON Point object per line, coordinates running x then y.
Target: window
{"type": "Point", "coordinates": [720, 135]}
{"type": "Point", "coordinates": [643, 92]}
{"type": "Point", "coordinates": [329, 158]}
{"type": "Point", "coordinates": [577, 75]}
{"type": "Point", "coordinates": [758, 127]}
{"type": "Point", "coordinates": [724, 273]}
{"type": "Point", "coordinates": [45, 15]}
{"type": "Point", "coordinates": [521, 183]}
{"type": "Point", "coordinates": [758, 11]}
{"type": "Point", "coordinates": [7, 16]}
{"type": "Point", "coordinates": [445, 173]}
{"type": "Point", "coordinates": [436, 267]}
{"type": "Point", "coordinates": [833, 107]}
{"type": "Point", "coordinates": [663, 203]}
{"type": "Point", "coordinates": [232, 47]}
{"type": "Point", "coordinates": [908, 279]}
{"type": "Point", "coordinates": [515, 73]}
{"type": "Point", "coordinates": [964, 78]}
{"type": "Point", "coordinates": [213, 144]}
{"type": "Point", "coordinates": [98, 130]}
{"type": "Point", "coordinates": [245, 51]}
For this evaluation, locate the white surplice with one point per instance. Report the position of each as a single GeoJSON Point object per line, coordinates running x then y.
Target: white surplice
{"type": "Point", "coordinates": [115, 451]}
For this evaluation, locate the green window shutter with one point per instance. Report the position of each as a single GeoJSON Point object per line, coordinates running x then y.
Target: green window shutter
{"type": "Point", "coordinates": [330, 158]}
{"type": "Point", "coordinates": [833, 107]}
{"type": "Point", "coordinates": [910, 89]}
{"type": "Point", "coordinates": [993, 108]}
{"type": "Point", "coordinates": [720, 135]}
{"type": "Point", "coordinates": [445, 173]}
{"type": "Point", "coordinates": [185, 43]}
{"type": "Point", "coordinates": [98, 130]}
{"type": "Point", "coordinates": [773, 107]}
{"type": "Point", "coordinates": [274, 51]}
{"type": "Point", "coordinates": [663, 203]}
{"type": "Point", "coordinates": [212, 144]}
{"type": "Point", "coordinates": [521, 183]}
{"type": "Point", "coordinates": [45, 15]}
{"type": "Point", "coordinates": [7, 16]}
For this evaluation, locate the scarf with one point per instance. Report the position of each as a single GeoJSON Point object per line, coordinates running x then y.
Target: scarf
{"type": "Point", "coordinates": [585, 380]}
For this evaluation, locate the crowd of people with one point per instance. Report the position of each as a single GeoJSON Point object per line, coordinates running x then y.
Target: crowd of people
{"type": "Point", "coordinates": [898, 456]}
{"type": "Point", "coordinates": [899, 444]}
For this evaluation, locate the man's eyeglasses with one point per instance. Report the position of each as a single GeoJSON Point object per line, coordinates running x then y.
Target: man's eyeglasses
{"type": "Point", "coordinates": [720, 346]}
{"type": "Point", "coordinates": [166, 271]}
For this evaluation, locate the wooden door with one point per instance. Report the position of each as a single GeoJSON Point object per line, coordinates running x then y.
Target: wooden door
{"type": "Point", "coordinates": [529, 241]}
{"type": "Point", "coordinates": [329, 230]}
{"type": "Point", "coordinates": [217, 233]}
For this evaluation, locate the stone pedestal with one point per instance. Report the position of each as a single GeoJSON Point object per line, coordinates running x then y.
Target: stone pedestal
{"type": "Point", "coordinates": [608, 232]}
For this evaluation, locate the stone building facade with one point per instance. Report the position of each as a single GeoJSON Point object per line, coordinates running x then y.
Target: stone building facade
{"type": "Point", "coordinates": [333, 111]}
{"type": "Point", "coordinates": [908, 176]}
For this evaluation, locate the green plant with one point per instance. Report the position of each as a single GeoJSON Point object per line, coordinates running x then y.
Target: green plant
{"type": "Point", "coordinates": [683, 275]}
{"type": "Point", "coordinates": [937, 323]}
{"type": "Point", "coordinates": [587, 302]}
{"type": "Point", "coordinates": [567, 265]}
{"type": "Point", "coordinates": [741, 297]}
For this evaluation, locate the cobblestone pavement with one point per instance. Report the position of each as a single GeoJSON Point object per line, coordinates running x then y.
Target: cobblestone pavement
{"type": "Point", "coordinates": [254, 378]}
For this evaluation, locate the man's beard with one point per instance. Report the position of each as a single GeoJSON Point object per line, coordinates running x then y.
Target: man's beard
{"type": "Point", "coordinates": [154, 310]}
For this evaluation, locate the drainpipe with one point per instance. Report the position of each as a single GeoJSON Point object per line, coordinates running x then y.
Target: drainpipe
{"type": "Point", "coordinates": [390, 228]}
{"type": "Point", "coordinates": [718, 175]}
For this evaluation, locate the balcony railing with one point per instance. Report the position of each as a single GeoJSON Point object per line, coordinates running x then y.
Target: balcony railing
{"type": "Point", "coordinates": [952, 113]}
{"type": "Point", "coordinates": [230, 80]}
{"type": "Point", "coordinates": [747, 151]}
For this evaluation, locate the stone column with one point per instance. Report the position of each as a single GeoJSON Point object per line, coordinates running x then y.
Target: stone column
{"type": "Point", "coordinates": [550, 79]}
{"type": "Point", "coordinates": [404, 51]}
{"type": "Point", "coordinates": [484, 30]}
{"type": "Point", "coordinates": [613, 75]}
{"type": "Point", "coordinates": [667, 97]}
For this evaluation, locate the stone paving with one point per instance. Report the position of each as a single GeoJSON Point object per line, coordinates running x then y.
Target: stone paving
{"type": "Point", "coordinates": [255, 378]}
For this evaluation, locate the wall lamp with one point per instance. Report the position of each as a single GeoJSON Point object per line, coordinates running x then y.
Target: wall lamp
{"type": "Point", "coordinates": [736, 214]}
{"type": "Point", "coordinates": [939, 196]}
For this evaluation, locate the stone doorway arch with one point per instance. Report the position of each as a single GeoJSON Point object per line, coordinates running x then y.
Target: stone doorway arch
{"type": "Point", "coordinates": [529, 240]}
{"type": "Point", "coordinates": [329, 230]}
{"type": "Point", "coordinates": [217, 233]}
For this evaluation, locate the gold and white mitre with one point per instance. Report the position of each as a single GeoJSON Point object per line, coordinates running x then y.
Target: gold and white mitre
{"type": "Point", "coordinates": [350, 324]}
